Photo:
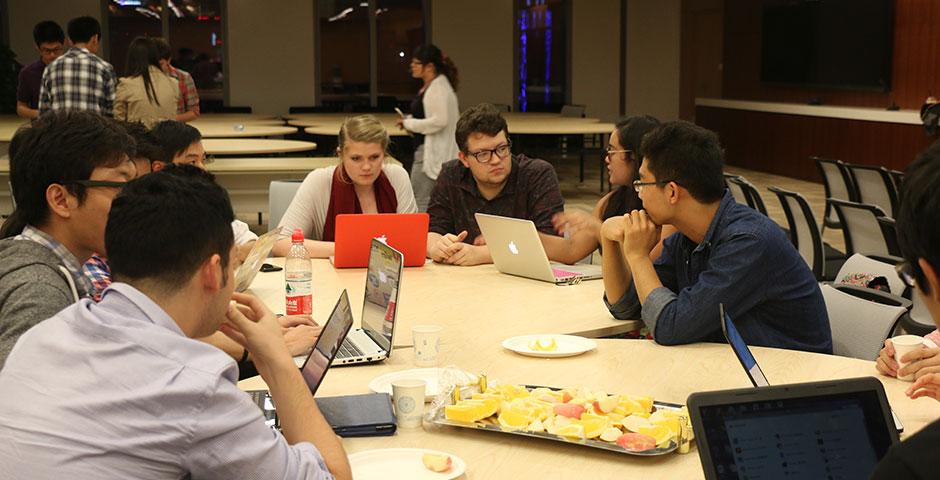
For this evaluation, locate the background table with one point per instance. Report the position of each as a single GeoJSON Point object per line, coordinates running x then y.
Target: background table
{"type": "Point", "coordinates": [199, 122]}
{"type": "Point", "coordinates": [235, 117]}
{"type": "Point", "coordinates": [617, 366]}
{"type": "Point", "coordinates": [9, 124]}
{"type": "Point", "coordinates": [237, 130]}
{"type": "Point", "coordinates": [474, 304]}
{"type": "Point", "coordinates": [252, 146]}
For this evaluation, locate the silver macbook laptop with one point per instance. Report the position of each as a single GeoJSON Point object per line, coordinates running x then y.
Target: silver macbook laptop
{"type": "Point", "coordinates": [517, 250]}
{"type": "Point", "coordinates": [373, 342]}
{"type": "Point", "coordinates": [320, 358]}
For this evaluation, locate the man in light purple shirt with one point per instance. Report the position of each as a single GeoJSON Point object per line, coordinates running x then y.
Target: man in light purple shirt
{"type": "Point", "coordinates": [121, 388]}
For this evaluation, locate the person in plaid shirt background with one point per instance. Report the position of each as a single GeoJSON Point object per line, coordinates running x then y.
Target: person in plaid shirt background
{"type": "Point", "coordinates": [188, 109]}
{"type": "Point", "coordinates": [79, 80]}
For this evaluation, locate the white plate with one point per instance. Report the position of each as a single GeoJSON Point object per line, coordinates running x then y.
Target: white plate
{"type": "Point", "coordinates": [386, 463]}
{"type": "Point", "coordinates": [567, 345]}
{"type": "Point", "coordinates": [383, 383]}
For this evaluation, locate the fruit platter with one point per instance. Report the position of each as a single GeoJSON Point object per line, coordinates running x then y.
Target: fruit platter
{"type": "Point", "coordinates": [628, 424]}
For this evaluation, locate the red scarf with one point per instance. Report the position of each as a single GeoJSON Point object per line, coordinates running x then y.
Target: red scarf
{"type": "Point", "coordinates": [343, 199]}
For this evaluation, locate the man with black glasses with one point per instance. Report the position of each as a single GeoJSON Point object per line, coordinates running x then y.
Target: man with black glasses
{"type": "Point", "coordinates": [50, 43]}
{"type": "Point", "coordinates": [64, 169]}
{"type": "Point", "coordinates": [488, 178]}
{"type": "Point", "coordinates": [723, 253]}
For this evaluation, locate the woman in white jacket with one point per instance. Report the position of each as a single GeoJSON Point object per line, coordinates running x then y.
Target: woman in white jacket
{"type": "Point", "coordinates": [433, 119]}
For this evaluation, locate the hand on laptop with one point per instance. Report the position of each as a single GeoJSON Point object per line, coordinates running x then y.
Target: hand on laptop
{"type": "Point", "coordinates": [300, 339]}
{"type": "Point", "coordinates": [255, 327]}
{"type": "Point", "coordinates": [440, 250]}
{"type": "Point", "coordinates": [288, 321]}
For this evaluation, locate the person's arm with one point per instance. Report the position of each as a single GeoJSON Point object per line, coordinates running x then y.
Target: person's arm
{"type": "Point", "coordinates": [439, 246]}
{"type": "Point", "coordinates": [28, 304]}
{"type": "Point", "coordinates": [467, 255]}
{"type": "Point", "coordinates": [187, 116]}
{"type": "Point", "coordinates": [315, 248]}
{"type": "Point", "coordinates": [110, 85]}
{"type": "Point", "coordinates": [226, 344]}
{"type": "Point", "coordinates": [435, 112]}
{"type": "Point", "coordinates": [23, 110]}
{"type": "Point", "coordinates": [569, 250]}
{"type": "Point", "coordinates": [544, 202]}
{"type": "Point", "coordinates": [256, 328]}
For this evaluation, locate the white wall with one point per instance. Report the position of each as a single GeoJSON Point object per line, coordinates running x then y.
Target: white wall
{"type": "Point", "coordinates": [25, 14]}
{"type": "Point", "coordinates": [478, 36]}
{"type": "Point", "coordinates": [595, 64]}
{"type": "Point", "coordinates": [653, 47]}
{"type": "Point", "coordinates": [270, 60]}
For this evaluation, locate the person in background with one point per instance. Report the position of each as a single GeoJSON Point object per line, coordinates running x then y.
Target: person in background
{"type": "Point", "coordinates": [723, 253]}
{"type": "Point", "coordinates": [918, 227]}
{"type": "Point", "coordinates": [65, 169]}
{"type": "Point", "coordinates": [582, 230]}
{"type": "Point", "coordinates": [362, 183]}
{"type": "Point", "coordinates": [50, 42]}
{"type": "Point", "coordinates": [433, 119]}
{"type": "Point", "coordinates": [79, 80]}
{"type": "Point", "coordinates": [487, 178]}
{"type": "Point", "coordinates": [145, 94]}
{"type": "Point", "coordinates": [187, 109]}
{"type": "Point", "coordinates": [121, 388]}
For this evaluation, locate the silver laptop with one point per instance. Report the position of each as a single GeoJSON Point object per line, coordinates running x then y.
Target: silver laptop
{"type": "Point", "coordinates": [247, 271]}
{"type": "Point", "coordinates": [373, 342]}
{"type": "Point", "coordinates": [517, 250]}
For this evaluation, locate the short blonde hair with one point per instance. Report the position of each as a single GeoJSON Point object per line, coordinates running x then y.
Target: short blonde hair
{"type": "Point", "coordinates": [362, 128]}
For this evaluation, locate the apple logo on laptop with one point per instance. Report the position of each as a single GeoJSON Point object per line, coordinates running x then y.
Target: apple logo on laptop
{"type": "Point", "coordinates": [382, 238]}
{"type": "Point", "coordinates": [513, 248]}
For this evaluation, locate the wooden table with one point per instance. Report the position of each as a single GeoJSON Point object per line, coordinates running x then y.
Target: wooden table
{"type": "Point", "coordinates": [237, 130]}
{"type": "Point", "coordinates": [253, 146]}
{"type": "Point", "coordinates": [476, 303]}
{"type": "Point", "coordinates": [617, 366]}
{"type": "Point", "coordinates": [199, 122]}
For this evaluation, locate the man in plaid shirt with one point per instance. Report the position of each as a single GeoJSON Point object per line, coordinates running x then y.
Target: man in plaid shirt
{"type": "Point", "coordinates": [79, 80]}
{"type": "Point", "coordinates": [188, 108]}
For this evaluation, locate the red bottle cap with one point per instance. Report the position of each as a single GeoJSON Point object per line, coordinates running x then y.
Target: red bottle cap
{"type": "Point", "coordinates": [298, 236]}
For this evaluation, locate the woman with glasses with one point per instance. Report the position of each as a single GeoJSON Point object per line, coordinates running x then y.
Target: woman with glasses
{"type": "Point", "coordinates": [361, 183]}
{"type": "Point", "coordinates": [582, 230]}
{"type": "Point", "coordinates": [145, 94]}
{"type": "Point", "coordinates": [433, 119]}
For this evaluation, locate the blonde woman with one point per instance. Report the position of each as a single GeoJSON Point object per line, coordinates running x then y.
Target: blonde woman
{"type": "Point", "coordinates": [145, 94]}
{"type": "Point", "coordinates": [361, 183]}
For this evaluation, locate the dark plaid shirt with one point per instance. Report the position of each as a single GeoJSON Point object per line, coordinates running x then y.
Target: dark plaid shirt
{"type": "Point", "coordinates": [78, 80]}
{"type": "Point", "coordinates": [531, 192]}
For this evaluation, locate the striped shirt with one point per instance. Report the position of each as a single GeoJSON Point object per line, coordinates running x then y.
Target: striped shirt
{"type": "Point", "coordinates": [78, 80]}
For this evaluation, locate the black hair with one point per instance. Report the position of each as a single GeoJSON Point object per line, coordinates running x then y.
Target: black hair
{"type": "Point", "coordinates": [445, 66]}
{"type": "Point", "coordinates": [60, 147]}
{"type": "Point", "coordinates": [918, 217]}
{"type": "Point", "coordinates": [483, 118]}
{"type": "Point", "coordinates": [146, 146]}
{"type": "Point", "coordinates": [48, 32]}
{"type": "Point", "coordinates": [173, 138]}
{"type": "Point", "coordinates": [164, 225]}
{"type": "Point", "coordinates": [630, 132]}
{"type": "Point", "coordinates": [689, 155]}
{"type": "Point", "coordinates": [164, 52]}
{"type": "Point", "coordinates": [81, 29]}
{"type": "Point", "coordinates": [141, 55]}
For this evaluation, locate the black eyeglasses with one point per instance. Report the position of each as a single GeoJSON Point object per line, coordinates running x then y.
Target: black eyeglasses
{"type": "Point", "coordinates": [484, 156]}
{"type": "Point", "coordinates": [638, 185]}
{"type": "Point", "coordinates": [906, 273]}
{"type": "Point", "coordinates": [98, 183]}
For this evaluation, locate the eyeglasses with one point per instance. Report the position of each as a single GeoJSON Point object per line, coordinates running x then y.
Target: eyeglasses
{"type": "Point", "coordinates": [906, 273]}
{"type": "Point", "coordinates": [608, 152]}
{"type": "Point", "coordinates": [484, 156]}
{"type": "Point", "coordinates": [638, 185]}
{"type": "Point", "coordinates": [98, 183]}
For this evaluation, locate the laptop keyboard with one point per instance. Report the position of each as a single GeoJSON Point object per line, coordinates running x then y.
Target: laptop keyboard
{"type": "Point", "coordinates": [348, 350]}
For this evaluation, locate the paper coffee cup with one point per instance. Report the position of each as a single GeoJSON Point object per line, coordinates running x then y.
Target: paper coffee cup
{"type": "Point", "coordinates": [427, 344]}
{"type": "Point", "coordinates": [903, 344]}
{"type": "Point", "coordinates": [408, 397]}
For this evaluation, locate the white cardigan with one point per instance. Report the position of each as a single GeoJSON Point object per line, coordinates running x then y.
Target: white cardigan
{"type": "Point", "coordinates": [441, 112]}
{"type": "Point", "coordinates": [307, 211]}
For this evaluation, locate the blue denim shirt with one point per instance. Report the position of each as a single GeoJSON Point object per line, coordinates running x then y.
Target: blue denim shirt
{"type": "Point", "coordinates": [746, 262]}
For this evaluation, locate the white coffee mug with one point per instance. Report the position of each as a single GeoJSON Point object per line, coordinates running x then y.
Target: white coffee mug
{"type": "Point", "coordinates": [408, 397]}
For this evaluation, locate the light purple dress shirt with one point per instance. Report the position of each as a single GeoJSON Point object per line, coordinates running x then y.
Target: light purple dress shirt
{"type": "Point", "coordinates": [116, 390]}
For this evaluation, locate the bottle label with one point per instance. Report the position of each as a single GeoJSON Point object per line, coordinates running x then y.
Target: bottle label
{"type": "Point", "coordinates": [299, 297]}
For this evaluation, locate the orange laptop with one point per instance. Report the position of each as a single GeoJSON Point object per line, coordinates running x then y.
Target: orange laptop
{"type": "Point", "coordinates": [405, 232]}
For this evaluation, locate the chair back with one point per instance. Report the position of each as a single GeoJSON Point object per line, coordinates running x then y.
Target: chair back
{"type": "Point", "coordinates": [859, 263]}
{"type": "Point", "coordinates": [874, 186]}
{"type": "Point", "coordinates": [280, 194]}
{"type": "Point", "coordinates": [572, 111]}
{"type": "Point", "coordinates": [859, 326]}
{"type": "Point", "coordinates": [804, 231]}
{"type": "Point", "coordinates": [737, 191]}
{"type": "Point", "coordinates": [863, 232]}
{"type": "Point", "coordinates": [751, 195]}
{"type": "Point", "coordinates": [838, 185]}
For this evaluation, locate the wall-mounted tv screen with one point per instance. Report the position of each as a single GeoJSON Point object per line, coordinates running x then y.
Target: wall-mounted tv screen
{"type": "Point", "coordinates": [828, 43]}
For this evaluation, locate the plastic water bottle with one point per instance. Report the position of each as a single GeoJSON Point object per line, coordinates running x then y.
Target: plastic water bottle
{"type": "Point", "coordinates": [298, 276]}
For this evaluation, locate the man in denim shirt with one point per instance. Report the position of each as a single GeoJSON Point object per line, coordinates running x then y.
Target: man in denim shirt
{"type": "Point", "coordinates": [724, 252]}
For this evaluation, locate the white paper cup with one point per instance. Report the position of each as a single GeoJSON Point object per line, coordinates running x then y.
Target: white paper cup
{"type": "Point", "coordinates": [903, 344]}
{"type": "Point", "coordinates": [408, 397]}
{"type": "Point", "coordinates": [427, 341]}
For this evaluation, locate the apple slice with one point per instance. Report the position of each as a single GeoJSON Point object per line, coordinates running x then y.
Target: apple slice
{"type": "Point", "coordinates": [636, 442]}
{"type": "Point", "coordinates": [437, 463]}
{"type": "Point", "coordinates": [570, 410]}
{"type": "Point", "coordinates": [606, 403]}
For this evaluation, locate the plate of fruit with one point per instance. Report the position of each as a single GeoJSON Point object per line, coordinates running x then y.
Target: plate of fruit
{"type": "Point", "coordinates": [629, 424]}
{"type": "Point", "coordinates": [550, 346]}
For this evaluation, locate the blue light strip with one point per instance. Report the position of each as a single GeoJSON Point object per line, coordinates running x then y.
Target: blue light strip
{"type": "Point", "coordinates": [548, 53]}
{"type": "Point", "coordinates": [523, 53]}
